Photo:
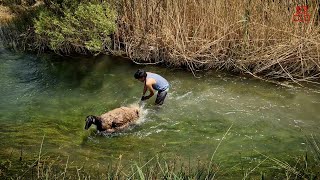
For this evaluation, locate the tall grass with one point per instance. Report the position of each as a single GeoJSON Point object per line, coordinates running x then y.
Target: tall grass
{"type": "Point", "coordinates": [44, 166]}
{"type": "Point", "coordinates": [243, 36]}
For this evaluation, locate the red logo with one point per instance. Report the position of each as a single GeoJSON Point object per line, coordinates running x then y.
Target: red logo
{"type": "Point", "coordinates": [301, 14]}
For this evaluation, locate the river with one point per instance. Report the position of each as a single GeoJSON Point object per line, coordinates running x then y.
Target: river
{"type": "Point", "coordinates": [50, 96]}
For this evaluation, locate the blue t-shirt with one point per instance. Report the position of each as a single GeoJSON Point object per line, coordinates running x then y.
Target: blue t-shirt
{"type": "Point", "coordinates": [161, 83]}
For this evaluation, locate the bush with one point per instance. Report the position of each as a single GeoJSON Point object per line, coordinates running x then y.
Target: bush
{"type": "Point", "coordinates": [85, 29]}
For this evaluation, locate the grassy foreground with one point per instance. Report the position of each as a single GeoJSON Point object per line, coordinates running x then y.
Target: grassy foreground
{"type": "Point", "coordinates": [43, 166]}
{"type": "Point", "coordinates": [258, 38]}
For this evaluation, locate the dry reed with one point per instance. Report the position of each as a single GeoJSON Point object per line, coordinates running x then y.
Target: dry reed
{"type": "Point", "coordinates": [242, 36]}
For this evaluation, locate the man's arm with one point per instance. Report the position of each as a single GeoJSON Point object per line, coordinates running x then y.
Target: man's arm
{"type": "Point", "coordinates": [144, 89]}
{"type": "Point", "coordinates": [148, 86]}
{"type": "Point", "coordinates": [151, 90]}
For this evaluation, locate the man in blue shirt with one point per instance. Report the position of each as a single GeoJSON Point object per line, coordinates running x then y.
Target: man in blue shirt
{"type": "Point", "coordinates": [153, 82]}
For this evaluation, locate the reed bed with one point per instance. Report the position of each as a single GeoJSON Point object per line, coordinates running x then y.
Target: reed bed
{"type": "Point", "coordinates": [257, 37]}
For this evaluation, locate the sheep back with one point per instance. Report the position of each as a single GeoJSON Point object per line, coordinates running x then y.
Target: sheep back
{"type": "Point", "coordinates": [119, 117]}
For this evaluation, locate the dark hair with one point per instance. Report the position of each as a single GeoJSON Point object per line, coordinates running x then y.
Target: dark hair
{"type": "Point", "coordinates": [140, 74]}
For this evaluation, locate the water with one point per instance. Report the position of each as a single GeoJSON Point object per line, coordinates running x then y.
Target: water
{"type": "Point", "coordinates": [51, 96]}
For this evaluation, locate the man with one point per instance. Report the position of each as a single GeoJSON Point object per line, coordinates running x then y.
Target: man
{"type": "Point", "coordinates": [153, 82]}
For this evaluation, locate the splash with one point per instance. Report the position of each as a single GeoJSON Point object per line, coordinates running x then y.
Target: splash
{"type": "Point", "coordinates": [143, 111]}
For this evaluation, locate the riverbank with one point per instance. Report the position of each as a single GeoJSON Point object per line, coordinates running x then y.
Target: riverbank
{"type": "Point", "coordinates": [258, 38]}
{"type": "Point", "coordinates": [41, 165]}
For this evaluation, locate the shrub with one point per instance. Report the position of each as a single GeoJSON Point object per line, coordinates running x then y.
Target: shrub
{"type": "Point", "coordinates": [85, 29]}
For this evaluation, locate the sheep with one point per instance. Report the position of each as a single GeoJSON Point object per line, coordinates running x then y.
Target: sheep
{"type": "Point", "coordinates": [115, 120]}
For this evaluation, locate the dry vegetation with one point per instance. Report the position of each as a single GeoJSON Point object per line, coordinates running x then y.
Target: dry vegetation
{"type": "Point", "coordinates": [257, 37]}
{"type": "Point", "coordinates": [5, 14]}
{"type": "Point", "coordinates": [10, 9]}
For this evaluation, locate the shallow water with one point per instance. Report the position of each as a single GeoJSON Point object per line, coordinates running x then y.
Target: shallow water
{"type": "Point", "coordinates": [51, 96]}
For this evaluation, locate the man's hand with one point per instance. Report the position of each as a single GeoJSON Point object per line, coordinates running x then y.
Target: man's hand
{"type": "Point", "coordinates": [144, 98]}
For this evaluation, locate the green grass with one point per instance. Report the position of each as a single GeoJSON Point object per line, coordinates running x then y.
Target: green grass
{"type": "Point", "coordinates": [51, 167]}
{"type": "Point", "coordinates": [45, 166]}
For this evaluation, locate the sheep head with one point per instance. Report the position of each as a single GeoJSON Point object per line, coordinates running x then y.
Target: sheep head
{"type": "Point", "coordinates": [89, 121]}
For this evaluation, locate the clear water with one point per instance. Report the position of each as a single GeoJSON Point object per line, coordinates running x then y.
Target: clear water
{"type": "Point", "coordinates": [51, 95]}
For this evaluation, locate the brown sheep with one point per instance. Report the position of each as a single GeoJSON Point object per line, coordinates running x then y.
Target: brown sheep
{"type": "Point", "coordinates": [115, 120]}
